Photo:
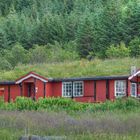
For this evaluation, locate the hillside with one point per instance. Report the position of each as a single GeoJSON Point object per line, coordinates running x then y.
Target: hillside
{"type": "Point", "coordinates": [34, 31]}
{"type": "Point", "coordinates": [81, 68]}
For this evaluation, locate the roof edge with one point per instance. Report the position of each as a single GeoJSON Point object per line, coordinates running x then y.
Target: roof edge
{"type": "Point", "coordinates": [31, 74]}
{"type": "Point", "coordinates": [7, 83]}
{"type": "Point", "coordinates": [73, 79]}
{"type": "Point", "coordinates": [134, 75]}
{"type": "Point", "coordinates": [91, 78]}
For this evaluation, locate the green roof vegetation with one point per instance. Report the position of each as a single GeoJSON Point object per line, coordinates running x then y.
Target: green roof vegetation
{"type": "Point", "coordinates": [82, 68]}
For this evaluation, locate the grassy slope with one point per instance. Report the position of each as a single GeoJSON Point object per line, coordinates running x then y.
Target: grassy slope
{"type": "Point", "coordinates": [75, 69]}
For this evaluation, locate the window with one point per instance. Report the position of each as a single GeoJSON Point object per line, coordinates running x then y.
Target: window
{"type": "Point", "coordinates": [133, 89]}
{"type": "Point", "coordinates": [78, 88]}
{"type": "Point", "coordinates": [120, 88]}
{"type": "Point", "coordinates": [67, 89]}
{"type": "Point", "coordinates": [74, 89]}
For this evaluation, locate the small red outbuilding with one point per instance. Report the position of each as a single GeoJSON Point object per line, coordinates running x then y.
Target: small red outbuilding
{"type": "Point", "coordinates": [85, 89]}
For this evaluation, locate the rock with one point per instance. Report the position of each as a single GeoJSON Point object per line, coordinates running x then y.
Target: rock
{"type": "Point", "coordinates": [54, 138]}
{"type": "Point", "coordinates": [24, 138]}
{"type": "Point", "coordinates": [34, 137]}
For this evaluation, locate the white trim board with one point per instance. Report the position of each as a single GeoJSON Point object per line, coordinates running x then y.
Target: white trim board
{"type": "Point", "coordinates": [135, 74]}
{"type": "Point", "coordinates": [29, 76]}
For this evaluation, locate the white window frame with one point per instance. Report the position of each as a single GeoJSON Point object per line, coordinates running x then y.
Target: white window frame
{"type": "Point", "coordinates": [135, 89]}
{"type": "Point", "coordinates": [117, 96]}
{"type": "Point", "coordinates": [63, 92]}
{"type": "Point", "coordinates": [73, 88]}
{"type": "Point", "coordinates": [74, 83]}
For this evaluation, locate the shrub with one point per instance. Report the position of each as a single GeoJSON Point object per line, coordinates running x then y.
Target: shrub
{"type": "Point", "coordinates": [58, 52]}
{"type": "Point", "coordinates": [38, 54]}
{"type": "Point", "coordinates": [16, 55]}
{"type": "Point", "coordinates": [65, 104]}
{"type": "Point", "coordinates": [23, 103]}
{"type": "Point", "coordinates": [1, 102]}
{"type": "Point", "coordinates": [118, 51]}
{"type": "Point", "coordinates": [5, 65]}
{"type": "Point", "coordinates": [134, 46]}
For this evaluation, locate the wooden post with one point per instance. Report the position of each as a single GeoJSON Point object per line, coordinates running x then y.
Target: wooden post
{"type": "Point", "coordinates": [21, 94]}
{"type": "Point", "coordinates": [107, 89]}
{"type": "Point", "coordinates": [95, 90]}
{"type": "Point", "coordinates": [34, 98]}
{"type": "Point", "coordinates": [126, 87]}
{"type": "Point", "coordinates": [72, 90]}
{"type": "Point", "coordinates": [9, 93]}
{"type": "Point", "coordinates": [44, 89]}
{"type": "Point", "coordinates": [137, 86]}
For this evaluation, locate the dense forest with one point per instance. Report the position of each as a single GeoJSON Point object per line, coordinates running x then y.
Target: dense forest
{"type": "Point", "coordinates": [40, 31]}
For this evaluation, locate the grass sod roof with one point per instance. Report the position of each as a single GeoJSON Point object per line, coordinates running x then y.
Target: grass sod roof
{"type": "Point", "coordinates": [82, 68]}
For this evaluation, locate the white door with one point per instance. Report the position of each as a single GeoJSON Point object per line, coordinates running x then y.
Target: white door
{"type": "Point", "coordinates": [133, 89]}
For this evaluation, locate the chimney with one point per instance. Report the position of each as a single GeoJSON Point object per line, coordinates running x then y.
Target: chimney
{"type": "Point", "coordinates": [133, 70]}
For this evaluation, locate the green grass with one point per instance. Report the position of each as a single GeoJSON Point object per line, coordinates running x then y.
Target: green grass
{"type": "Point", "coordinates": [107, 125]}
{"type": "Point", "coordinates": [6, 134]}
{"type": "Point", "coordinates": [80, 68]}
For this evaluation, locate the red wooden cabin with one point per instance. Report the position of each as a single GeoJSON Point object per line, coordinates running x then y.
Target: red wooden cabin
{"type": "Point", "coordinates": [85, 89]}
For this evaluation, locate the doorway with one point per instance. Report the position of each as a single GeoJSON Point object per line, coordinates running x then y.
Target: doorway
{"type": "Point", "coordinates": [30, 90]}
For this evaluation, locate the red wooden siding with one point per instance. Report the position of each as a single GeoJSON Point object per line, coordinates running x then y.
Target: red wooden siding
{"type": "Point", "coordinates": [88, 92]}
{"type": "Point", "coordinates": [39, 89]}
{"type": "Point", "coordinates": [57, 89]}
{"type": "Point", "coordinates": [101, 91]}
{"type": "Point", "coordinates": [89, 88]}
{"type": "Point", "coordinates": [49, 89]}
{"type": "Point", "coordinates": [111, 89]}
{"type": "Point", "coordinates": [14, 92]}
{"type": "Point", "coordinates": [129, 88]}
{"type": "Point", "coordinates": [2, 91]}
{"type": "Point", "coordinates": [138, 86]}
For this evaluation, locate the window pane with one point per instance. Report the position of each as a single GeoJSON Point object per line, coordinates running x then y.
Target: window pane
{"type": "Point", "coordinates": [78, 88]}
{"type": "Point", "coordinates": [67, 89]}
{"type": "Point", "coordinates": [120, 87]}
{"type": "Point", "coordinates": [133, 89]}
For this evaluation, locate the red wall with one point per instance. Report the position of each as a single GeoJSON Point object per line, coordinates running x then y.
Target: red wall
{"type": "Point", "coordinates": [111, 89]}
{"type": "Point", "coordinates": [88, 92]}
{"type": "Point", "coordinates": [138, 87]}
{"type": "Point", "coordinates": [48, 89]}
{"type": "Point", "coordinates": [101, 91]}
{"type": "Point", "coordinates": [57, 89]}
{"type": "Point", "coordinates": [1, 90]}
{"type": "Point", "coordinates": [40, 89]}
{"type": "Point", "coordinates": [54, 89]}
{"type": "Point", "coordinates": [14, 92]}
{"type": "Point", "coordinates": [6, 93]}
{"type": "Point", "coordinates": [89, 88]}
{"type": "Point", "coordinates": [129, 88]}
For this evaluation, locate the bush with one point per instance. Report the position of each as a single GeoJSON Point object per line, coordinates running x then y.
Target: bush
{"type": "Point", "coordinates": [38, 54]}
{"type": "Point", "coordinates": [16, 55]}
{"type": "Point", "coordinates": [118, 51]}
{"type": "Point", "coordinates": [58, 52]}
{"type": "Point", "coordinates": [23, 103]}
{"type": "Point", "coordinates": [66, 104]}
{"type": "Point", "coordinates": [5, 65]}
{"type": "Point", "coordinates": [134, 46]}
